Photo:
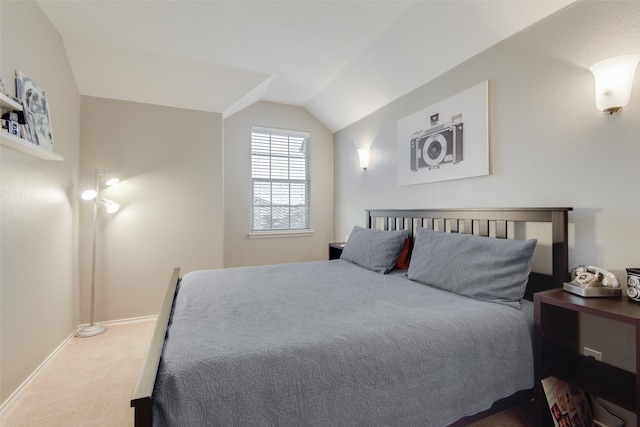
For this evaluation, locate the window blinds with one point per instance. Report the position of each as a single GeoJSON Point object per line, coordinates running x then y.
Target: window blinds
{"type": "Point", "coordinates": [280, 179]}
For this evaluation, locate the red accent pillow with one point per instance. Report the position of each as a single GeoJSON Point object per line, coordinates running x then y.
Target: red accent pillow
{"type": "Point", "coordinates": [403, 258]}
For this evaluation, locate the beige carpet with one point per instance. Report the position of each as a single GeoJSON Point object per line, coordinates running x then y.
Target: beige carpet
{"type": "Point", "coordinates": [89, 383]}
{"type": "Point", "coordinates": [518, 416]}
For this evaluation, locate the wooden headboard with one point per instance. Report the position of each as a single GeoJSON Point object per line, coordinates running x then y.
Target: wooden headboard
{"type": "Point", "coordinates": [493, 222]}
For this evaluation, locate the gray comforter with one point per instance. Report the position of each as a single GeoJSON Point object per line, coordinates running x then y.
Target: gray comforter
{"type": "Point", "coordinates": [329, 343]}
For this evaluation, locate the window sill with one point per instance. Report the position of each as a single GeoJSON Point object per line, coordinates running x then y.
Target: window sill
{"type": "Point", "coordinates": [280, 234]}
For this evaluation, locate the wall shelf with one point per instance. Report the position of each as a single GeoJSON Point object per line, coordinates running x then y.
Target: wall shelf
{"type": "Point", "coordinates": [7, 103]}
{"type": "Point", "coordinates": [21, 144]}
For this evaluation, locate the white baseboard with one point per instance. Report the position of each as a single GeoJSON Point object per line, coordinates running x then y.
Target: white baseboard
{"type": "Point", "coordinates": [121, 321]}
{"type": "Point", "coordinates": [7, 403]}
{"type": "Point", "coordinates": [22, 386]}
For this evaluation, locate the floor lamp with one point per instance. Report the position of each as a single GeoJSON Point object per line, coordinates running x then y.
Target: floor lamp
{"type": "Point", "coordinates": [111, 207]}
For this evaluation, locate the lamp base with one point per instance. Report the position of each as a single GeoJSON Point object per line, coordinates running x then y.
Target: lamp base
{"type": "Point", "coordinates": [91, 330]}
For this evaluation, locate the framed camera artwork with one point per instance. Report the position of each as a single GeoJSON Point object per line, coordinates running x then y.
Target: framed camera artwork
{"type": "Point", "coordinates": [36, 111]}
{"type": "Point", "coordinates": [448, 140]}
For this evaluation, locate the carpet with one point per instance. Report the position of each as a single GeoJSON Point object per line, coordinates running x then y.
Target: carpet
{"type": "Point", "coordinates": [88, 383]}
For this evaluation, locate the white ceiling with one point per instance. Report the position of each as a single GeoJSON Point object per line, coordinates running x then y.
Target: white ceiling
{"type": "Point", "coordinates": [341, 60]}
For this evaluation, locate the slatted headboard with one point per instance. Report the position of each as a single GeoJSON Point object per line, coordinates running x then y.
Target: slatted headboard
{"type": "Point", "coordinates": [493, 222]}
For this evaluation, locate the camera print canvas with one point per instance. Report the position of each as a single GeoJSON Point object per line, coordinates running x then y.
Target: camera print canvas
{"type": "Point", "coordinates": [36, 111]}
{"type": "Point", "coordinates": [448, 140]}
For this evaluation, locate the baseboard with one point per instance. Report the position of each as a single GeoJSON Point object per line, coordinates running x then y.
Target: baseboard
{"type": "Point", "coordinates": [22, 386]}
{"type": "Point", "coordinates": [7, 403]}
{"type": "Point", "coordinates": [121, 321]}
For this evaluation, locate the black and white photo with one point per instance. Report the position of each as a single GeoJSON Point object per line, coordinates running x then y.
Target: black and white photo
{"type": "Point", "coordinates": [448, 140]}
{"type": "Point", "coordinates": [36, 111]}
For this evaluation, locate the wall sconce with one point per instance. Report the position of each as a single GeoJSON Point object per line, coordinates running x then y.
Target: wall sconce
{"type": "Point", "coordinates": [363, 154]}
{"type": "Point", "coordinates": [93, 193]}
{"type": "Point", "coordinates": [614, 77]}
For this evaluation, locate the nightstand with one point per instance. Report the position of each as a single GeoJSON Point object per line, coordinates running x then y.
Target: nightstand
{"type": "Point", "coordinates": [557, 352]}
{"type": "Point", "coordinates": [335, 250]}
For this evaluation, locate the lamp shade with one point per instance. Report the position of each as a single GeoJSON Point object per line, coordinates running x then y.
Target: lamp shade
{"type": "Point", "coordinates": [88, 193]}
{"type": "Point", "coordinates": [111, 206]}
{"type": "Point", "coordinates": [614, 78]}
{"type": "Point", "coordinates": [111, 181]}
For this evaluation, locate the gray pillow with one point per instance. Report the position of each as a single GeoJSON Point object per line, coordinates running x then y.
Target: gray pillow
{"type": "Point", "coordinates": [376, 250]}
{"type": "Point", "coordinates": [484, 268]}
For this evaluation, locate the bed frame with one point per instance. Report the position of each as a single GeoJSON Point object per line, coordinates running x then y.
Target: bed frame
{"type": "Point", "coordinates": [485, 222]}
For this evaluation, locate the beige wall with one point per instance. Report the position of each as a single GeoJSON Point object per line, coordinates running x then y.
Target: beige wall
{"type": "Point", "coordinates": [38, 207]}
{"type": "Point", "coordinates": [239, 248]}
{"type": "Point", "coordinates": [170, 163]}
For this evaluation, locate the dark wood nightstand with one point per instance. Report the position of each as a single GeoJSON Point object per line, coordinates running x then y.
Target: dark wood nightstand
{"type": "Point", "coordinates": [557, 352]}
{"type": "Point", "coordinates": [335, 250]}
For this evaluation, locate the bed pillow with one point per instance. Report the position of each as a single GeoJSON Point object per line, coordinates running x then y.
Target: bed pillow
{"type": "Point", "coordinates": [375, 250]}
{"type": "Point", "coordinates": [484, 268]}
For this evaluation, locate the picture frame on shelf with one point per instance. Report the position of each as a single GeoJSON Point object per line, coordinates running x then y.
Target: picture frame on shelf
{"type": "Point", "coordinates": [36, 111]}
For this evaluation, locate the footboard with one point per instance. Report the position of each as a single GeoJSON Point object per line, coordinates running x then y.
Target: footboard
{"type": "Point", "coordinates": [141, 398]}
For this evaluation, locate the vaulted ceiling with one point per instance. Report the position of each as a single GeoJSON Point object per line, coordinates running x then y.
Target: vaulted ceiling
{"type": "Point", "coordinates": [341, 60]}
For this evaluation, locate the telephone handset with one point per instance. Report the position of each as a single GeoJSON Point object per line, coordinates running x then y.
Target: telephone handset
{"type": "Point", "coordinates": [590, 281]}
{"type": "Point", "coordinates": [588, 275]}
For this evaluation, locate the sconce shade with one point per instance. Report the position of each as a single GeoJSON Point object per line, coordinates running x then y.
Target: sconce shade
{"type": "Point", "coordinates": [614, 78]}
{"type": "Point", "coordinates": [363, 154]}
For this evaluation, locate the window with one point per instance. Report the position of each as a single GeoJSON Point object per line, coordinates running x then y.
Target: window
{"type": "Point", "coordinates": [280, 182]}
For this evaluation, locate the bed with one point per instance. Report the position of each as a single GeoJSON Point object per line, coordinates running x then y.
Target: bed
{"type": "Point", "coordinates": [360, 340]}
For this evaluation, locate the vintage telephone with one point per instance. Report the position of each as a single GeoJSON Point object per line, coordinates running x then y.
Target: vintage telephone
{"type": "Point", "coordinates": [590, 281]}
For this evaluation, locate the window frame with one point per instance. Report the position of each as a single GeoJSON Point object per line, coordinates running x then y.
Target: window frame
{"type": "Point", "coordinates": [306, 206]}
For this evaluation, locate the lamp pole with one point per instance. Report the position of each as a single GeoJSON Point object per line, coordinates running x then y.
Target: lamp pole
{"type": "Point", "coordinates": [93, 328]}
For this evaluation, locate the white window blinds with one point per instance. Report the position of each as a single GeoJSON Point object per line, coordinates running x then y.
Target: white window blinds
{"type": "Point", "coordinates": [280, 179]}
